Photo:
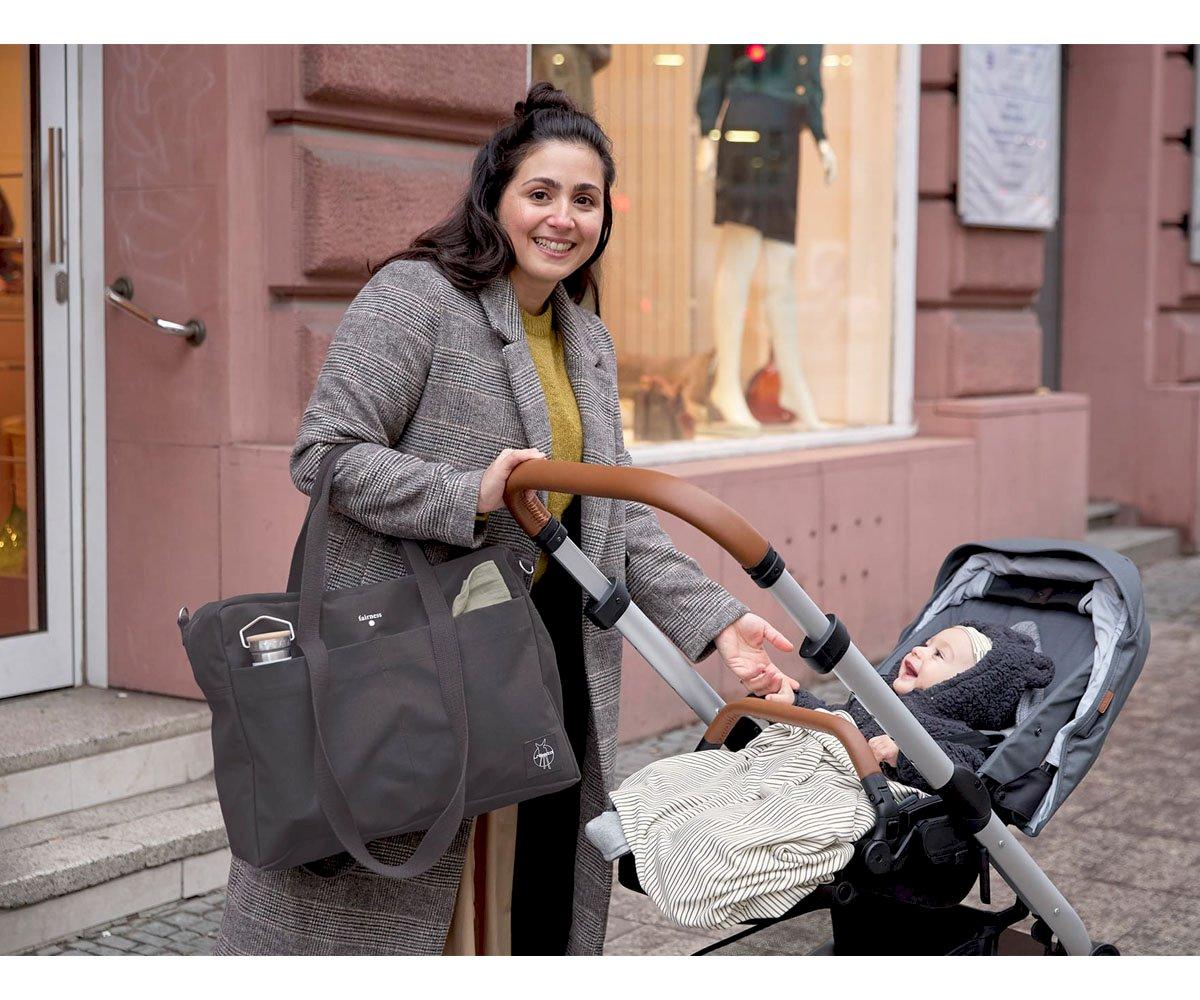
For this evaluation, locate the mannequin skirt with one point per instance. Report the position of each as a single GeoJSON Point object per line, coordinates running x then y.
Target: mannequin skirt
{"type": "Point", "coordinates": [757, 182]}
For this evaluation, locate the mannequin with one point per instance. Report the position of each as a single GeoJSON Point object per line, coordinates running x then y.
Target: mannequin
{"type": "Point", "coordinates": [571, 68]}
{"type": "Point", "coordinates": [772, 92]}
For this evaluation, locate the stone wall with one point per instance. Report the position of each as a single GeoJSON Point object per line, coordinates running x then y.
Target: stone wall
{"type": "Point", "coordinates": [249, 186]}
{"type": "Point", "coordinates": [1131, 298]}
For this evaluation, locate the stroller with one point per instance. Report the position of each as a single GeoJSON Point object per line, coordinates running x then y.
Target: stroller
{"type": "Point", "coordinates": [912, 871]}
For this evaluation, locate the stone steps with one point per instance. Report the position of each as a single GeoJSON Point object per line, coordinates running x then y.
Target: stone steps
{"type": "Point", "coordinates": [80, 747]}
{"type": "Point", "coordinates": [1143, 544]}
{"type": "Point", "coordinates": [66, 853]}
{"type": "Point", "coordinates": [1102, 513]}
{"type": "Point", "coordinates": [1118, 526]}
{"type": "Point", "coordinates": [107, 807]}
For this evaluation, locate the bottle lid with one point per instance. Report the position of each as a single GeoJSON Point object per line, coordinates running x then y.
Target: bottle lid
{"type": "Point", "coordinates": [269, 640]}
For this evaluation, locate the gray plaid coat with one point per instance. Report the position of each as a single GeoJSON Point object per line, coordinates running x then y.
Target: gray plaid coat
{"type": "Point", "coordinates": [434, 383]}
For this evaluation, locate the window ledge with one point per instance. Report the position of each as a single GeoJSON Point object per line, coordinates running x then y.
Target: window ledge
{"type": "Point", "coordinates": [672, 452]}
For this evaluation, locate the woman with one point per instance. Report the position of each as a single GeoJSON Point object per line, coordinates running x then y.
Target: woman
{"type": "Point", "coordinates": [462, 357]}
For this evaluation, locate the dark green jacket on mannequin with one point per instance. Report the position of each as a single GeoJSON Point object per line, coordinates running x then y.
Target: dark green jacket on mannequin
{"type": "Point", "coordinates": [790, 72]}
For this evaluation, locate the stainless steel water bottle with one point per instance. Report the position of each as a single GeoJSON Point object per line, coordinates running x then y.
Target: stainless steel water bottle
{"type": "Point", "coordinates": [270, 646]}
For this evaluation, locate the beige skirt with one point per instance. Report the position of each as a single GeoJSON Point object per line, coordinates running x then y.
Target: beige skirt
{"type": "Point", "coordinates": [482, 921]}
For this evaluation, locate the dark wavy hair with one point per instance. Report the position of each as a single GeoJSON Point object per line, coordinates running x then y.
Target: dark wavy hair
{"type": "Point", "coordinates": [469, 245]}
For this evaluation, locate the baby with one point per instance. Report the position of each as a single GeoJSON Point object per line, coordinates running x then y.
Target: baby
{"type": "Point", "coordinates": [962, 679]}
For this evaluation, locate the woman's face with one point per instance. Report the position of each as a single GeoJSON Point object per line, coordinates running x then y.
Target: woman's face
{"type": "Point", "coordinates": [946, 654]}
{"type": "Point", "coordinates": [552, 211]}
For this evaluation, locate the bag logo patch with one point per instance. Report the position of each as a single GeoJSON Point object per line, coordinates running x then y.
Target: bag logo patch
{"type": "Point", "coordinates": [371, 618]}
{"type": "Point", "coordinates": [541, 757]}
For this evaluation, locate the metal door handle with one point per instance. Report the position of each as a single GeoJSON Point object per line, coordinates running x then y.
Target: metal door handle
{"type": "Point", "coordinates": [57, 193]}
{"type": "Point", "coordinates": [120, 294]}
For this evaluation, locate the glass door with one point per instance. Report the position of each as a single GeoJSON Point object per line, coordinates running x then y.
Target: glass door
{"type": "Point", "coordinates": [36, 614]}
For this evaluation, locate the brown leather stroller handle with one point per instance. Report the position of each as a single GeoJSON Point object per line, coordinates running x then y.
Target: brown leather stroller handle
{"type": "Point", "coordinates": [846, 732]}
{"type": "Point", "coordinates": [685, 500]}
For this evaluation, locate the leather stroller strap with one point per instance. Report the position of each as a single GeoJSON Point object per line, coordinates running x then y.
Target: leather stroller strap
{"type": "Point", "coordinates": [330, 796]}
{"type": "Point", "coordinates": [685, 500]}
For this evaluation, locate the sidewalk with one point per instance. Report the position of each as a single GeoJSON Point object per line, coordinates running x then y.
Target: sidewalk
{"type": "Point", "coordinates": [1124, 848]}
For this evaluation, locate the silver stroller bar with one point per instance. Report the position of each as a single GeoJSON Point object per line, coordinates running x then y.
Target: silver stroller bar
{"type": "Point", "coordinates": [733, 533]}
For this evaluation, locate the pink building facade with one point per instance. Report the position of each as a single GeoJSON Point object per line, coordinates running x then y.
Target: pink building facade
{"type": "Point", "coordinates": [250, 185]}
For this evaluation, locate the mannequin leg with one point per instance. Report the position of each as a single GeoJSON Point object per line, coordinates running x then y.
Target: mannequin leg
{"type": "Point", "coordinates": [737, 256]}
{"type": "Point", "coordinates": [783, 322]}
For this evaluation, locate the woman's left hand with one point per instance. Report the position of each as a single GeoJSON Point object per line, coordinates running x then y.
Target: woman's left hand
{"type": "Point", "coordinates": [741, 646]}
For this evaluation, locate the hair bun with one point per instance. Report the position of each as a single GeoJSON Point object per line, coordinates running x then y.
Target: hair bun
{"type": "Point", "coordinates": [543, 96]}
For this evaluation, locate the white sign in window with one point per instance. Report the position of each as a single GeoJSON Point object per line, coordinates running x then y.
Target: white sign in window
{"type": "Point", "coordinates": [1008, 135]}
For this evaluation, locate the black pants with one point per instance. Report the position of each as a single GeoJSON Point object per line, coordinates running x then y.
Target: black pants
{"type": "Point", "coordinates": [544, 866]}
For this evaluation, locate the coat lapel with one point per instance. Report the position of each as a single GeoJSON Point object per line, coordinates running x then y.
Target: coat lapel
{"type": "Point", "coordinates": [499, 302]}
{"type": "Point", "coordinates": [594, 390]}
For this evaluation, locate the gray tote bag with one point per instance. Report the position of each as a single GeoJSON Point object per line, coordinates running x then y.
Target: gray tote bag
{"type": "Point", "coordinates": [393, 713]}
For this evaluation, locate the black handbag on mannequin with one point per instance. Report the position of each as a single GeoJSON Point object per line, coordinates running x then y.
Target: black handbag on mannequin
{"type": "Point", "coordinates": [382, 711]}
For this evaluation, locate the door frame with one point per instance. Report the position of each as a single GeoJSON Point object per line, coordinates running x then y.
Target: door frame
{"type": "Point", "coordinates": [89, 506]}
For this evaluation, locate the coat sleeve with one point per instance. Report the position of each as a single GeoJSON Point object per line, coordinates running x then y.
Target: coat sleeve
{"type": "Point", "coordinates": [717, 65]}
{"type": "Point", "coordinates": [806, 699]}
{"type": "Point", "coordinates": [367, 391]}
{"type": "Point", "coordinates": [959, 753]}
{"type": "Point", "coordinates": [810, 79]}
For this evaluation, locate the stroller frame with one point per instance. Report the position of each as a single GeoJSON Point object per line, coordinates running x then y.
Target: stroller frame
{"type": "Point", "coordinates": [827, 649]}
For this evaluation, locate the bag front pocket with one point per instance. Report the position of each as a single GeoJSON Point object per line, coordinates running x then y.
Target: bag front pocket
{"type": "Point", "coordinates": [370, 700]}
{"type": "Point", "coordinates": [511, 709]}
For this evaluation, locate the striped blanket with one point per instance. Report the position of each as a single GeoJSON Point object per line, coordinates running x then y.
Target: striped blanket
{"type": "Point", "coordinates": [720, 837]}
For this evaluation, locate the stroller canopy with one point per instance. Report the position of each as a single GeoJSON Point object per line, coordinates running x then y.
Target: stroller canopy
{"type": "Point", "coordinates": [1083, 605]}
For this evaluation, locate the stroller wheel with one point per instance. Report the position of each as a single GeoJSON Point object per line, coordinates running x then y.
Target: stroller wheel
{"type": "Point", "coordinates": [1105, 949]}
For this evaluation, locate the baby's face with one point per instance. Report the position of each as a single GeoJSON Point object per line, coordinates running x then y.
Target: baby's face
{"type": "Point", "coordinates": [946, 654]}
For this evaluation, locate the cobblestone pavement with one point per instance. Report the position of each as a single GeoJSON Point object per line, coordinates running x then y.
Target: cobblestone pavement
{"type": "Point", "coordinates": [1124, 848]}
{"type": "Point", "coordinates": [182, 927]}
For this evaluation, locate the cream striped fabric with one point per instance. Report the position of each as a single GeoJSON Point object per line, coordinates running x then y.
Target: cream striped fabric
{"type": "Point", "coordinates": [720, 837]}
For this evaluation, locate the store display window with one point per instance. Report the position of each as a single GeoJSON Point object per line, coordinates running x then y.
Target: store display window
{"type": "Point", "coordinates": [750, 282]}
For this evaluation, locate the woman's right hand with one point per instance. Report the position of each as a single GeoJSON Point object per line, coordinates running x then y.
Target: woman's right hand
{"type": "Point", "coordinates": [495, 476]}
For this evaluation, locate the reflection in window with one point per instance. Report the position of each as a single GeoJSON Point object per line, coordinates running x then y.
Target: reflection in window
{"type": "Point", "coordinates": [18, 593]}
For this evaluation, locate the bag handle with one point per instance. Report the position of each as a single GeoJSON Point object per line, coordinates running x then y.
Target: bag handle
{"type": "Point", "coordinates": [297, 568]}
{"type": "Point", "coordinates": [330, 796]}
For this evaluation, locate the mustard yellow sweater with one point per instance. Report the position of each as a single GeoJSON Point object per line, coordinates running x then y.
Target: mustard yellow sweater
{"type": "Point", "coordinates": [566, 429]}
